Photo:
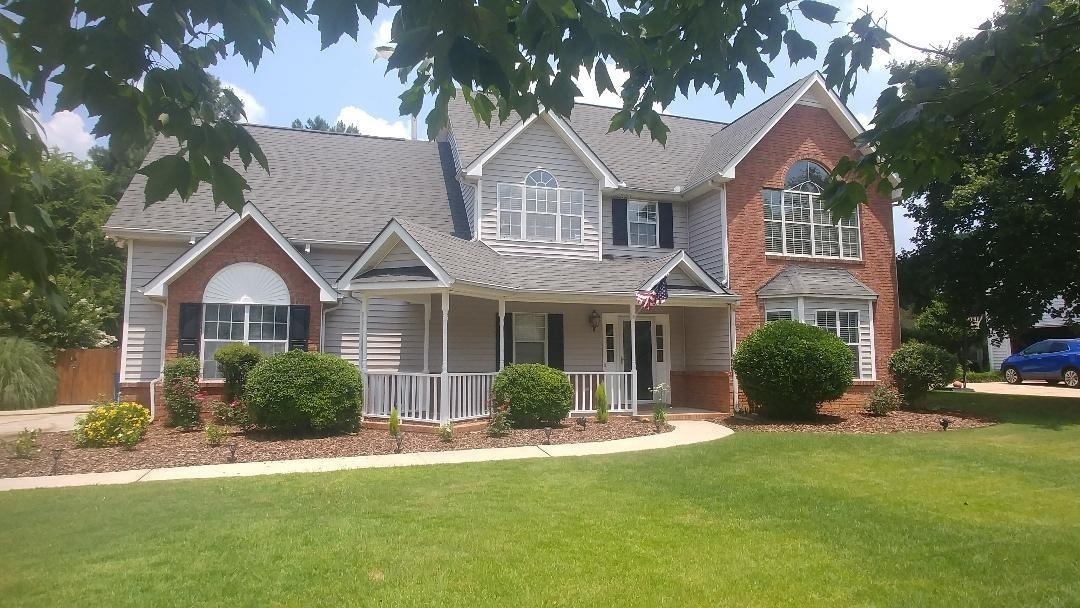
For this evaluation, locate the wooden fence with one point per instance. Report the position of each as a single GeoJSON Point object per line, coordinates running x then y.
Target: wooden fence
{"type": "Point", "coordinates": [86, 374]}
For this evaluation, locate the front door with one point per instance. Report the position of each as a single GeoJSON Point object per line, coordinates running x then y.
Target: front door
{"type": "Point", "coordinates": [649, 338]}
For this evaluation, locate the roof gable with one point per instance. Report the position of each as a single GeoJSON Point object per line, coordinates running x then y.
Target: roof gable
{"type": "Point", "coordinates": [395, 256]}
{"type": "Point", "coordinates": [158, 286]}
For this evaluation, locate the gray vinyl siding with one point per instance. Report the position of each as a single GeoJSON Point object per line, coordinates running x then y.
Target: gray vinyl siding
{"type": "Point", "coordinates": [395, 327]}
{"type": "Point", "coordinates": [706, 218]}
{"type": "Point", "coordinates": [143, 317]}
{"type": "Point", "coordinates": [679, 229]}
{"type": "Point", "coordinates": [538, 146]}
{"type": "Point", "coordinates": [472, 346]}
{"type": "Point", "coordinates": [708, 343]}
{"type": "Point", "coordinates": [678, 278]}
{"type": "Point", "coordinates": [400, 257]}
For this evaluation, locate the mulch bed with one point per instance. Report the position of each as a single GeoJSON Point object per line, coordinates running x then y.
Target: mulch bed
{"type": "Point", "coordinates": [163, 447]}
{"type": "Point", "coordinates": [837, 420]}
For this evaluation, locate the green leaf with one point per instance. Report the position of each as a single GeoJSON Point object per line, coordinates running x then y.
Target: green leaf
{"type": "Point", "coordinates": [228, 186]}
{"type": "Point", "coordinates": [818, 11]}
{"type": "Point", "coordinates": [337, 18]}
{"type": "Point", "coordinates": [798, 47]}
{"type": "Point", "coordinates": [602, 78]}
{"type": "Point", "coordinates": [164, 176]}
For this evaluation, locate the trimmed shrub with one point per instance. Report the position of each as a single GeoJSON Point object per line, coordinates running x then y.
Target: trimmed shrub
{"type": "Point", "coordinates": [112, 424]}
{"type": "Point", "coordinates": [600, 403]}
{"type": "Point", "coordinates": [26, 443]}
{"type": "Point", "coordinates": [991, 376]}
{"type": "Point", "coordinates": [535, 394]}
{"type": "Point", "coordinates": [915, 367]}
{"type": "Point", "coordinates": [234, 361]}
{"type": "Point", "coordinates": [788, 369]}
{"type": "Point", "coordinates": [300, 392]}
{"type": "Point", "coordinates": [882, 400]}
{"type": "Point", "coordinates": [27, 375]}
{"type": "Point", "coordinates": [181, 388]}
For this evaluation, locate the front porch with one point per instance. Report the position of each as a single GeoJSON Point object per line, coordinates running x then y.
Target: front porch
{"type": "Point", "coordinates": [437, 357]}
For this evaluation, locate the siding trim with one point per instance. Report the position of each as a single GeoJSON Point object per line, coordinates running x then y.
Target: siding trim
{"type": "Point", "coordinates": [127, 314]}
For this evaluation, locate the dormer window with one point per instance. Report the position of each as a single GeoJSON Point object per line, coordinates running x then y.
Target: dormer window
{"type": "Point", "coordinates": [642, 224]}
{"type": "Point", "coordinates": [798, 224]}
{"type": "Point", "coordinates": [539, 210]}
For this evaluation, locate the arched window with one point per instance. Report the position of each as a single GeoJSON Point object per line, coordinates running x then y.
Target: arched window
{"type": "Point", "coordinates": [541, 178]}
{"type": "Point", "coordinates": [537, 209]}
{"type": "Point", "coordinates": [797, 222]}
{"type": "Point", "coordinates": [247, 303]}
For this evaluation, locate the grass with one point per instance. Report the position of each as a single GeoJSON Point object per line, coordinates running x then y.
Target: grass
{"type": "Point", "coordinates": [982, 517]}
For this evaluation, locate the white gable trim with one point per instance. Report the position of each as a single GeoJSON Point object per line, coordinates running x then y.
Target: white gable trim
{"type": "Point", "coordinates": [158, 286]}
{"type": "Point", "coordinates": [690, 267]}
{"type": "Point", "coordinates": [371, 258]}
{"type": "Point", "coordinates": [476, 168]}
{"type": "Point", "coordinates": [835, 107]}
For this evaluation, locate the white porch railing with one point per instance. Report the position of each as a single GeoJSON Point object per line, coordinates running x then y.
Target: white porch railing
{"type": "Point", "coordinates": [470, 394]}
{"type": "Point", "coordinates": [415, 395]}
{"type": "Point", "coordinates": [419, 397]}
{"type": "Point", "coordinates": [617, 385]}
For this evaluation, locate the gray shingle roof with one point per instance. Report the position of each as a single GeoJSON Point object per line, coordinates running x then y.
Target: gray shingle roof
{"type": "Point", "coordinates": [476, 263]}
{"type": "Point", "coordinates": [696, 149]}
{"type": "Point", "coordinates": [810, 280]}
{"type": "Point", "coordinates": [321, 187]}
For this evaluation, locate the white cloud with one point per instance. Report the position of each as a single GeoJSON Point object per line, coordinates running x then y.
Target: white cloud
{"type": "Point", "coordinates": [382, 34]}
{"type": "Point", "coordinates": [925, 23]}
{"type": "Point", "coordinates": [586, 82]}
{"type": "Point", "coordinates": [67, 131]}
{"type": "Point", "coordinates": [256, 112]}
{"type": "Point", "coordinates": [372, 125]}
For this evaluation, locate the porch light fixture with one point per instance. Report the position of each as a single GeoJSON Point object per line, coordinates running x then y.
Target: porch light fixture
{"type": "Point", "coordinates": [594, 319]}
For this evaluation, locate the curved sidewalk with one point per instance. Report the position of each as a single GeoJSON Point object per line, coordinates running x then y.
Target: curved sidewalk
{"type": "Point", "coordinates": [685, 432]}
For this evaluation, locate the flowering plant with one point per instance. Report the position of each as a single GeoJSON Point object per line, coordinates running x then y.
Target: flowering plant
{"type": "Point", "coordinates": [112, 424]}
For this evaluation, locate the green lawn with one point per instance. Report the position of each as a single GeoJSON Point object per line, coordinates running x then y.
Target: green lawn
{"type": "Point", "coordinates": [961, 518]}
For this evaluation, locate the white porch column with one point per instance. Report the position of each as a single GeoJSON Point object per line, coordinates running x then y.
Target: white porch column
{"type": "Point", "coordinates": [633, 357]}
{"type": "Point", "coordinates": [444, 397]}
{"type": "Point", "coordinates": [363, 334]}
{"type": "Point", "coordinates": [502, 338]}
{"type": "Point", "coordinates": [731, 352]}
{"type": "Point", "coordinates": [427, 335]}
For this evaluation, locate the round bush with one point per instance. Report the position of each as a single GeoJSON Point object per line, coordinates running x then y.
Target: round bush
{"type": "Point", "coordinates": [789, 369]}
{"type": "Point", "coordinates": [299, 392]}
{"type": "Point", "coordinates": [27, 376]}
{"type": "Point", "coordinates": [882, 400]}
{"type": "Point", "coordinates": [535, 394]}
{"type": "Point", "coordinates": [111, 424]}
{"type": "Point", "coordinates": [916, 366]}
{"type": "Point", "coordinates": [234, 361]}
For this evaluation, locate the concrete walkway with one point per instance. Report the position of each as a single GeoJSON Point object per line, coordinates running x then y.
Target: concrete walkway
{"type": "Point", "coordinates": [686, 432]}
{"type": "Point", "coordinates": [48, 419]}
{"type": "Point", "coordinates": [1030, 388]}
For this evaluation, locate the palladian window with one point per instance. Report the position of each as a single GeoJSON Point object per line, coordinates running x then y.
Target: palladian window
{"type": "Point", "coordinates": [797, 222]}
{"type": "Point", "coordinates": [537, 209]}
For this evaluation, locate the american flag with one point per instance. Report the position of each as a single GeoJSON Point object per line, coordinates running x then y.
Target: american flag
{"type": "Point", "coordinates": [654, 297]}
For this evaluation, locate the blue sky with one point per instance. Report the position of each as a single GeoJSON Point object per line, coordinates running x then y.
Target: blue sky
{"type": "Point", "coordinates": [346, 82]}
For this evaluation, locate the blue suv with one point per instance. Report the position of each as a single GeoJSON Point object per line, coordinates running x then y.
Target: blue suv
{"type": "Point", "coordinates": [1051, 360]}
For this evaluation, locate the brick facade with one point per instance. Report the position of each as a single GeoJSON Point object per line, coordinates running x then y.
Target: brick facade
{"type": "Point", "coordinates": [807, 133]}
{"type": "Point", "coordinates": [702, 390]}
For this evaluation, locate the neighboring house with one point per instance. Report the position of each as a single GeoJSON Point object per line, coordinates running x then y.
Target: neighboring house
{"type": "Point", "coordinates": [433, 264]}
{"type": "Point", "coordinates": [1051, 325]}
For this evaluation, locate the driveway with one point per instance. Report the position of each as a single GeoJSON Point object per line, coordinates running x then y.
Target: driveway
{"type": "Point", "coordinates": [1032, 389]}
{"type": "Point", "coordinates": [48, 419]}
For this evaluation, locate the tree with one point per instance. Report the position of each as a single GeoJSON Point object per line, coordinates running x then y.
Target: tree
{"type": "Point", "coordinates": [1018, 72]}
{"type": "Point", "coordinates": [143, 67]}
{"type": "Point", "coordinates": [90, 268]}
{"type": "Point", "coordinates": [319, 124]}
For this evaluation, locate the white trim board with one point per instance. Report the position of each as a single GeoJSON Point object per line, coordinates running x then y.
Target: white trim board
{"type": "Point", "coordinates": [157, 287]}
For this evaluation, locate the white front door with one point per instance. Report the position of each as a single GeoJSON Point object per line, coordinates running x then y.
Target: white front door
{"type": "Point", "coordinates": [651, 338]}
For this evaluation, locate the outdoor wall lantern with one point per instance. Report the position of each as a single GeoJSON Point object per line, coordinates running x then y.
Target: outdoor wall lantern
{"type": "Point", "coordinates": [594, 319]}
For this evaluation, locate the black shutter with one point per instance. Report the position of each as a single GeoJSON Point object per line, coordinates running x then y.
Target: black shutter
{"type": "Point", "coordinates": [667, 230]}
{"type": "Point", "coordinates": [299, 319]}
{"type": "Point", "coordinates": [556, 358]}
{"type": "Point", "coordinates": [190, 320]}
{"type": "Point", "coordinates": [618, 221]}
{"type": "Point", "coordinates": [508, 337]}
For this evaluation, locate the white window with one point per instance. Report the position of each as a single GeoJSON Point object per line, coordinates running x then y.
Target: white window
{"type": "Point", "coordinates": [609, 342]}
{"type": "Point", "coordinates": [845, 324]}
{"type": "Point", "coordinates": [539, 210]}
{"type": "Point", "coordinates": [659, 343]}
{"type": "Point", "coordinates": [797, 222]}
{"type": "Point", "coordinates": [780, 314]}
{"type": "Point", "coordinates": [264, 326]}
{"type": "Point", "coordinates": [530, 338]}
{"type": "Point", "coordinates": [642, 224]}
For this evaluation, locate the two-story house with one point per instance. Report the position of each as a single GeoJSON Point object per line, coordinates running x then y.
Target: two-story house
{"type": "Point", "coordinates": [431, 265]}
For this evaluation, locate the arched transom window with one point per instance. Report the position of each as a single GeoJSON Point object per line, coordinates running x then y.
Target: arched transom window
{"type": "Point", "coordinates": [797, 222]}
{"type": "Point", "coordinates": [246, 303]}
{"type": "Point", "coordinates": [537, 209]}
